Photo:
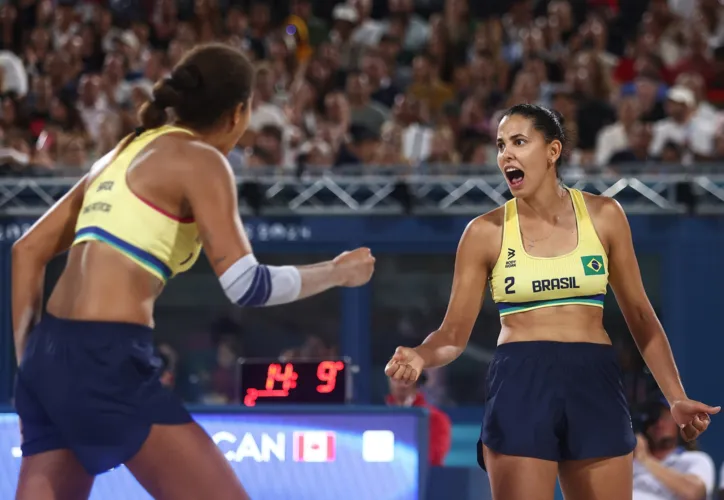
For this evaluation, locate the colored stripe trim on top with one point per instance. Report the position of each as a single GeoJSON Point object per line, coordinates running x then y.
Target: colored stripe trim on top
{"type": "Point", "coordinates": [511, 308]}
{"type": "Point", "coordinates": [132, 251]}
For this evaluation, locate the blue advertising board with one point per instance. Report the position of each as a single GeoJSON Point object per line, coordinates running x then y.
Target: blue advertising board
{"type": "Point", "coordinates": [291, 452]}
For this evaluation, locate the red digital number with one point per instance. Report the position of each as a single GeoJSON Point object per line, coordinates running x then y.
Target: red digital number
{"type": "Point", "coordinates": [327, 373]}
{"type": "Point", "coordinates": [287, 376]}
{"type": "Point", "coordinates": [275, 373]}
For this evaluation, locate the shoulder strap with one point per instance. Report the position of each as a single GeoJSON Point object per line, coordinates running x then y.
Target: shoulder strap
{"type": "Point", "coordinates": [585, 224]}
{"type": "Point", "coordinates": [511, 227]}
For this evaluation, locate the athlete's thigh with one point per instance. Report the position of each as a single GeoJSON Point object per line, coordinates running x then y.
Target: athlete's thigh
{"type": "Point", "coordinates": [520, 478]}
{"type": "Point", "coordinates": [597, 479]}
{"type": "Point", "coordinates": [181, 462]}
{"type": "Point", "coordinates": [53, 475]}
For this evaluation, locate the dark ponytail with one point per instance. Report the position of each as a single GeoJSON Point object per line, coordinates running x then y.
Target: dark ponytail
{"type": "Point", "coordinates": [153, 113]}
{"type": "Point", "coordinates": [204, 87]}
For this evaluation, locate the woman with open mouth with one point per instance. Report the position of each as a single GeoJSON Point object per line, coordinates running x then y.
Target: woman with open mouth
{"type": "Point", "coordinates": [555, 405]}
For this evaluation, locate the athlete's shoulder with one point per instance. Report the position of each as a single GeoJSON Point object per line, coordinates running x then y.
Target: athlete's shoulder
{"type": "Point", "coordinates": [484, 234]}
{"type": "Point", "coordinates": [193, 149]}
{"type": "Point", "coordinates": [603, 207]}
{"type": "Point", "coordinates": [489, 223]}
{"type": "Point", "coordinates": [195, 158]}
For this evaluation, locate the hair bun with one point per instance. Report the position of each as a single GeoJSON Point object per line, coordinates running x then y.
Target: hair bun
{"type": "Point", "coordinates": [165, 95]}
{"type": "Point", "coordinates": [186, 79]}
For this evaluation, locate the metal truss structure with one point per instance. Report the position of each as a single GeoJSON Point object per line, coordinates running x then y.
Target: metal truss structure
{"type": "Point", "coordinates": [431, 194]}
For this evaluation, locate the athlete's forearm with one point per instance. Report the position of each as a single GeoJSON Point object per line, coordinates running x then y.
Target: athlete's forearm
{"type": "Point", "coordinates": [684, 486]}
{"type": "Point", "coordinates": [28, 277]}
{"type": "Point", "coordinates": [439, 349]}
{"type": "Point", "coordinates": [656, 351]}
{"type": "Point", "coordinates": [318, 278]}
{"type": "Point", "coordinates": [248, 283]}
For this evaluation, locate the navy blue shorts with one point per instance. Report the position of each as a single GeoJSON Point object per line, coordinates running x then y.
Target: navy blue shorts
{"type": "Point", "coordinates": [92, 387]}
{"type": "Point", "coordinates": [556, 401]}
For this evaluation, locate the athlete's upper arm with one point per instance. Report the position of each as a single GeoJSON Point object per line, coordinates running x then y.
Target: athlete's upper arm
{"type": "Point", "coordinates": [624, 273]}
{"type": "Point", "coordinates": [473, 261]}
{"type": "Point", "coordinates": [54, 232]}
{"type": "Point", "coordinates": [210, 188]}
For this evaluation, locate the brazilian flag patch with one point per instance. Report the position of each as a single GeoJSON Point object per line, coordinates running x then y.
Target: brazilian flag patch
{"type": "Point", "coordinates": [593, 265]}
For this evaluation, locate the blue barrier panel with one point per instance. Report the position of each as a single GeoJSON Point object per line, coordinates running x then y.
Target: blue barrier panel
{"type": "Point", "coordinates": [300, 453]}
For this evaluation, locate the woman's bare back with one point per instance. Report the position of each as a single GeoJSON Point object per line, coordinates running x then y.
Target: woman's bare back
{"type": "Point", "coordinates": [99, 283]}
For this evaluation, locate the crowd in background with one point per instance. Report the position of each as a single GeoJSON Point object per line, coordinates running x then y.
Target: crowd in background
{"type": "Point", "coordinates": [379, 82]}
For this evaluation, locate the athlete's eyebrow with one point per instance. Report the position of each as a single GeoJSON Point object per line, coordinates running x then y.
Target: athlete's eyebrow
{"type": "Point", "coordinates": [511, 138]}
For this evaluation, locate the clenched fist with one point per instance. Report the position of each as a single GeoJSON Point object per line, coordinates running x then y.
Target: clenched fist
{"type": "Point", "coordinates": [355, 268]}
{"type": "Point", "coordinates": [406, 365]}
{"type": "Point", "coordinates": [692, 417]}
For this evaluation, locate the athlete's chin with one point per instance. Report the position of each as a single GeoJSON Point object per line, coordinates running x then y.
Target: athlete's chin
{"type": "Point", "coordinates": [517, 188]}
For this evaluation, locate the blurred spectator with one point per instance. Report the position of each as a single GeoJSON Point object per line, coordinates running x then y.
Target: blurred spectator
{"type": "Point", "coordinates": [369, 31]}
{"type": "Point", "coordinates": [403, 23]}
{"type": "Point", "coordinates": [719, 146]}
{"type": "Point", "coordinates": [695, 136]}
{"type": "Point", "coordinates": [364, 112]}
{"type": "Point", "coordinates": [704, 111]}
{"type": "Point", "coordinates": [637, 151]}
{"type": "Point", "coordinates": [94, 106]}
{"type": "Point", "coordinates": [360, 148]}
{"type": "Point", "coordinates": [313, 348]}
{"type": "Point", "coordinates": [383, 89]}
{"type": "Point", "coordinates": [614, 138]}
{"type": "Point", "coordinates": [345, 19]}
{"type": "Point", "coordinates": [426, 85]}
{"type": "Point", "coordinates": [665, 467]}
{"type": "Point", "coordinates": [224, 375]}
{"type": "Point", "coordinates": [13, 76]}
{"type": "Point", "coordinates": [268, 147]}
{"type": "Point", "coordinates": [265, 111]}
{"type": "Point", "coordinates": [442, 148]}
{"type": "Point", "coordinates": [406, 395]}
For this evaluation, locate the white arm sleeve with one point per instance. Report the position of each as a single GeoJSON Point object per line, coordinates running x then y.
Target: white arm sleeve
{"type": "Point", "coordinates": [248, 283]}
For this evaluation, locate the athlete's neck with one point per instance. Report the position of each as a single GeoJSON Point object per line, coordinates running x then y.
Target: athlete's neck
{"type": "Point", "coordinates": [212, 138]}
{"type": "Point", "coordinates": [548, 202]}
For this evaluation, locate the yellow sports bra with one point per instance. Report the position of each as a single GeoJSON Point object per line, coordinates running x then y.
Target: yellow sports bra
{"type": "Point", "coordinates": [159, 242]}
{"type": "Point", "coordinates": [520, 282]}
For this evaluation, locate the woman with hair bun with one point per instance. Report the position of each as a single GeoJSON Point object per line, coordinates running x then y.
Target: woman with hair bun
{"type": "Point", "coordinates": [87, 390]}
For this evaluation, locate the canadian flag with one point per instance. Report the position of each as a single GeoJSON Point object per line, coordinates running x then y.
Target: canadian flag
{"type": "Point", "coordinates": [314, 446]}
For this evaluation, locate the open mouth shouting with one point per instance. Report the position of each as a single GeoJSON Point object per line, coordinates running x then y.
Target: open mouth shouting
{"type": "Point", "coordinates": [514, 176]}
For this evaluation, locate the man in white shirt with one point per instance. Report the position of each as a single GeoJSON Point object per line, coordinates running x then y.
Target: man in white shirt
{"type": "Point", "coordinates": [615, 137]}
{"type": "Point", "coordinates": [683, 127]}
{"type": "Point", "coordinates": [665, 468]}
